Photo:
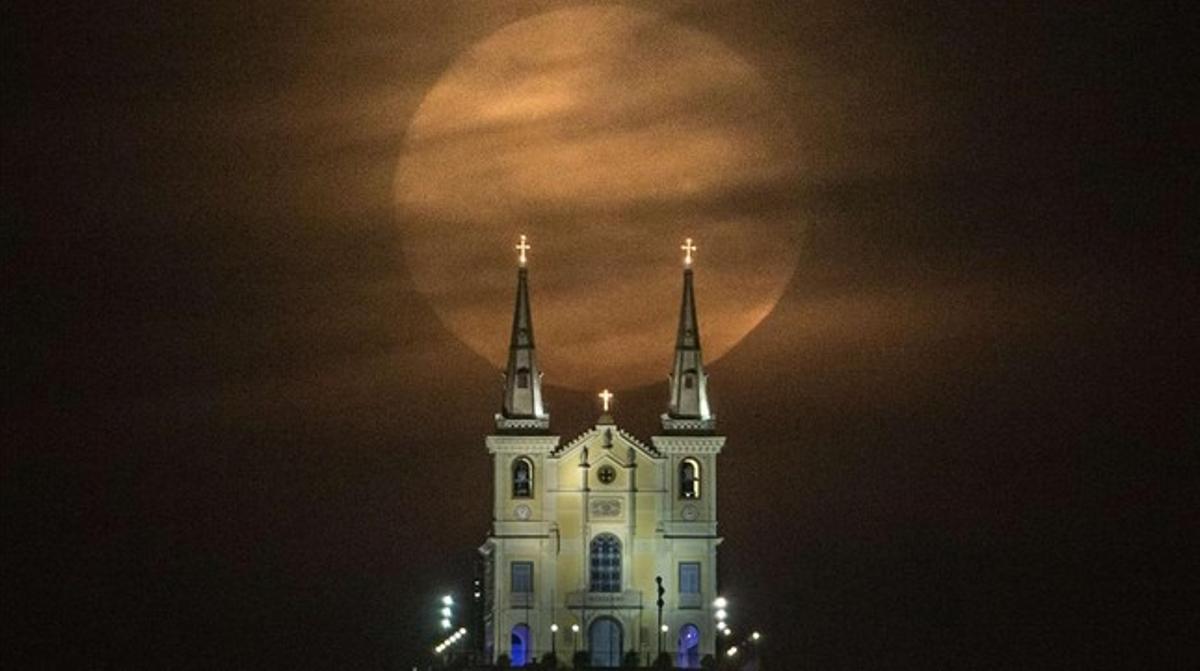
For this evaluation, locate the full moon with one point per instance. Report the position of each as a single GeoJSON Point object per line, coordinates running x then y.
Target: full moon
{"type": "Point", "coordinates": [607, 136]}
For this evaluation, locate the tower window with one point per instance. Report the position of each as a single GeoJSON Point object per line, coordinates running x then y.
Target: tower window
{"type": "Point", "coordinates": [522, 378]}
{"type": "Point", "coordinates": [689, 381]}
{"type": "Point", "coordinates": [522, 478]}
{"type": "Point", "coordinates": [522, 577]}
{"type": "Point", "coordinates": [689, 479]}
{"type": "Point", "coordinates": [606, 563]}
{"type": "Point", "coordinates": [689, 577]}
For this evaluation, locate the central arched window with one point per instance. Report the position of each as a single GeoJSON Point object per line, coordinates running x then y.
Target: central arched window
{"type": "Point", "coordinates": [522, 478]}
{"type": "Point", "coordinates": [606, 563]}
{"type": "Point", "coordinates": [689, 479]}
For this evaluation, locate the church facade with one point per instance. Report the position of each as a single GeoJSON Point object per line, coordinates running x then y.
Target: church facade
{"type": "Point", "coordinates": [586, 532]}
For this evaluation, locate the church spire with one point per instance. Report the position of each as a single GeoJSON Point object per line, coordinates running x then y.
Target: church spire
{"type": "Point", "coordinates": [523, 407]}
{"type": "Point", "coordinates": [688, 410]}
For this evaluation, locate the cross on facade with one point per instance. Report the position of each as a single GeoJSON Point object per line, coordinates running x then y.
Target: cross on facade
{"type": "Point", "coordinates": [688, 248]}
{"type": "Point", "coordinates": [605, 396]}
{"type": "Point", "coordinates": [523, 247]}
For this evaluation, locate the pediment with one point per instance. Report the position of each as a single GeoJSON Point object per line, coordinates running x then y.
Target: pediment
{"type": "Point", "coordinates": [607, 441]}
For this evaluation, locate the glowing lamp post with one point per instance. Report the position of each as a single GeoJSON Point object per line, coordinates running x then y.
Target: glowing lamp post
{"type": "Point", "coordinates": [720, 615]}
{"type": "Point", "coordinates": [446, 612]}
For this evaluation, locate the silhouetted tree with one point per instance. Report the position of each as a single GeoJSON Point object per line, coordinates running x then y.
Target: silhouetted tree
{"type": "Point", "coordinates": [663, 662]}
{"type": "Point", "coordinates": [503, 661]}
{"type": "Point", "coordinates": [708, 663]}
{"type": "Point", "coordinates": [580, 659]}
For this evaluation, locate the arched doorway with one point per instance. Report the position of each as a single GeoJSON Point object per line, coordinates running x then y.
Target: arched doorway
{"type": "Point", "coordinates": [687, 655]}
{"type": "Point", "coordinates": [604, 642]}
{"type": "Point", "coordinates": [519, 649]}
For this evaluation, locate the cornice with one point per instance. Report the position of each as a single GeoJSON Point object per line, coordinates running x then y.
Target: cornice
{"type": "Point", "coordinates": [499, 444]}
{"type": "Point", "coordinates": [522, 423]}
{"type": "Point", "coordinates": [689, 444]}
{"type": "Point", "coordinates": [670, 423]}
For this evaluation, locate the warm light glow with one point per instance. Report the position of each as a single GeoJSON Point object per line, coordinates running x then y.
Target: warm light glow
{"type": "Point", "coordinates": [688, 248]}
{"type": "Point", "coordinates": [756, 636]}
{"type": "Point", "coordinates": [721, 614]}
{"type": "Point", "coordinates": [606, 396]}
{"type": "Point", "coordinates": [732, 651]}
{"type": "Point", "coordinates": [452, 639]}
{"type": "Point", "coordinates": [446, 611]}
{"type": "Point", "coordinates": [618, 127]}
{"type": "Point", "coordinates": [447, 600]}
{"type": "Point", "coordinates": [720, 602]}
{"type": "Point", "coordinates": [445, 623]}
{"type": "Point", "coordinates": [523, 247]}
{"type": "Point", "coordinates": [575, 628]}
{"type": "Point", "coordinates": [554, 628]}
{"type": "Point", "coordinates": [665, 628]}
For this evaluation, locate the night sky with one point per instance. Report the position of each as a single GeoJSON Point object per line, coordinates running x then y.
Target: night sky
{"type": "Point", "coordinates": [242, 428]}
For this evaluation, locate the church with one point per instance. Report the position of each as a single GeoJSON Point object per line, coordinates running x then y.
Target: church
{"type": "Point", "coordinates": [606, 544]}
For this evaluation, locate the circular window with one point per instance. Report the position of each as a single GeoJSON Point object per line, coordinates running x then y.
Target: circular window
{"type": "Point", "coordinates": [607, 474]}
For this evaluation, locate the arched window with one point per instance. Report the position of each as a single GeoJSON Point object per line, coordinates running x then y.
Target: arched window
{"type": "Point", "coordinates": [687, 655]}
{"type": "Point", "coordinates": [522, 478]}
{"type": "Point", "coordinates": [689, 479]}
{"type": "Point", "coordinates": [606, 563]}
{"type": "Point", "coordinates": [522, 378]}
{"type": "Point", "coordinates": [689, 380]}
{"type": "Point", "coordinates": [520, 646]}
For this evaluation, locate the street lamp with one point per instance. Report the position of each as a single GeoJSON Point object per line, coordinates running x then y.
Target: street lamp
{"type": "Point", "coordinates": [659, 602]}
{"type": "Point", "coordinates": [574, 640]}
{"type": "Point", "coordinates": [720, 615]}
{"type": "Point", "coordinates": [446, 613]}
{"type": "Point", "coordinates": [756, 636]}
{"type": "Point", "coordinates": [554, 640]}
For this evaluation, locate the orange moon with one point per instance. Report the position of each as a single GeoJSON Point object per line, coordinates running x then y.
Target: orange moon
{"type": "Point", "coordinates": [607, 135]}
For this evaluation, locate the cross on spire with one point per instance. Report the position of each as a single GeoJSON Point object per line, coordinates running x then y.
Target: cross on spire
{"type": "Point", "coordinates": [523, 247]}
{"type": "Point", "coordinates": [688, 248]}
{"type": "Point", "coordinates": [605, 396]}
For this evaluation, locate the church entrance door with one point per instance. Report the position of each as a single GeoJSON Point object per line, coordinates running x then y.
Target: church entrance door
{"type": "Point", "coordinates": [604, 641]}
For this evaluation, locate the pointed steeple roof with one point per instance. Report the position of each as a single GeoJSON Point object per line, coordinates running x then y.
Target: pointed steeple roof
{"type": "Point", "coordinates": [688, 335]}
{"type": "Point", "coordinates": [688, 410]}
{"type": "Point", "coordinates": [523, 408]}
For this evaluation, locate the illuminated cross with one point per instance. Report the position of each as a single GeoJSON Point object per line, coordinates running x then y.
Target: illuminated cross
{"type": "Point", "coordinates": [605, 396]}
{"type": "Point", "coordinates": [688, 248]}
{"type": "Point", "coordinates": [523, 247]}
